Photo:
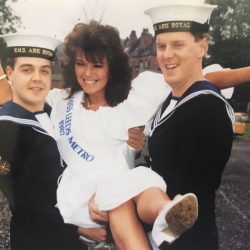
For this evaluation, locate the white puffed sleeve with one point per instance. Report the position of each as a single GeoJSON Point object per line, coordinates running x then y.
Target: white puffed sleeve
{"type": "Point", "coordinates": [54, 95]}
{"type": "Point", "coordinates": [228, 92]}
{"type": "Point", "coordinates": [148, 92]}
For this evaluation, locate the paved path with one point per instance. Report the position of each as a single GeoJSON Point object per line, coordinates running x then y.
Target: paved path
{"type": "Point", "coordinates": [233, 200]}
{"type": "Point", "coordinates": [233, 203]}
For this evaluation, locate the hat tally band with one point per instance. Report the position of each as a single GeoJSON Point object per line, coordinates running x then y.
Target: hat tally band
{"type": "Point", "coordinates": [27, 51]}
{"type": "Point", "coordinates": [180, 26]}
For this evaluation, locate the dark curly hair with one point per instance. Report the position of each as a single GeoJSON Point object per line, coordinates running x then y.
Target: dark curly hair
{"type": "Point", "coordinates": [97, 42]}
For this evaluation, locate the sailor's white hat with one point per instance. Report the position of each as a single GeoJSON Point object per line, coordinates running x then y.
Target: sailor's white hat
{"type": "Point", "coordinates": [30, 45]}
{"type": "Point", "coordinates": [178, 17]}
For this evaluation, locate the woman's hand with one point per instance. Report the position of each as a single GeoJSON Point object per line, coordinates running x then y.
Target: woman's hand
{"type": "Point", "coordinates": [95, 213]}
{"type": "Point", "coordinates": [97, 234]}
{"type": "Point", "coordinates": [136, 138]}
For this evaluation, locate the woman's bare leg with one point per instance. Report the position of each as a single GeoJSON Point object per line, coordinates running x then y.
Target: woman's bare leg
{"type": "Point", "coordinates": [126, 230]}
{"type": "Point", "coordinates": [150, 203]}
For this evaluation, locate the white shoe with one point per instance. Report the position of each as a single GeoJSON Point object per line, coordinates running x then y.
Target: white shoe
{"type": "Point", "coordinates": [178, 216]}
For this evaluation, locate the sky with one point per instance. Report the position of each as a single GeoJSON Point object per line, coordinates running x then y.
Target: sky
{"type": "Point", "coordinates": [57, 17]}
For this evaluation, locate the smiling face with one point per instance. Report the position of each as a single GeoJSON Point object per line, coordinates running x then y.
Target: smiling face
{"type": "Point", "coordinates": [92, 76]}
{"type": "Point", "coordinates": [31, 82]}
{"type": "Point", "coordinates": [180, 58]}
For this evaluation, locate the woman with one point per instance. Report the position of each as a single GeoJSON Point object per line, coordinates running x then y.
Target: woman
{"type": "Point", "coordinates": [91, 130]}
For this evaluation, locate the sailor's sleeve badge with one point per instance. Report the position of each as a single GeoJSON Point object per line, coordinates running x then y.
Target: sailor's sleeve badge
{"type": "Point", "coordinates": [4, 167]}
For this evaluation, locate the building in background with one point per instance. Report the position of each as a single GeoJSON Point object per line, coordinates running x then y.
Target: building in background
{"type": "Point", "coordinates": [142, 52]}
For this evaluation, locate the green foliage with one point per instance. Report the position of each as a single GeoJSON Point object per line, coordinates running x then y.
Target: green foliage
{"type": "Point", "coordinates": [230, 33]}
{"type": "Point", "coordinates": [8, 24]}
{"type": "Point", "coordinates": [231, 19]}
{"type": "Point", "coordinates": [231, 52]}
{"type": "Point", "coordinates": [230, 42]}
{"type": "Point", "coordinates": [8, 21]}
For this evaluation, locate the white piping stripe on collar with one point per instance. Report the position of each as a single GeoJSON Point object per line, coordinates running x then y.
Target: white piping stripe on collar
{"type": "Point", "coordinates": [42, 132]}
{"type": "Point", "coordinates": [230, 111]}
{"type": "Point", "coordinates": [20, 120]}
{"type": "Point", "coordinates": [157, 117]}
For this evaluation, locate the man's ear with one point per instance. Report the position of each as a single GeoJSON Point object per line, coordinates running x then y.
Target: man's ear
{"type": "Point", "coordinates": [9, 72]}
{"type": "Point", "coordinates": [203, 47]}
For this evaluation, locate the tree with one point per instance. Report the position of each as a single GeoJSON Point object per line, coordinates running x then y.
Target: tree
{"type": "Point", "coordinates": [8, 21]}
{"type": "Point", "coordinates": [230, 42]}
{"type": "Point", "coordinates": [8, 24]}
{"type": "Point", "coordinates": [230, 33]}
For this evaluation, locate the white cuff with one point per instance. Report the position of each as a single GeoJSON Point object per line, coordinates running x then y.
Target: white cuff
{"type": "Point", "coordinates": [2, 77]}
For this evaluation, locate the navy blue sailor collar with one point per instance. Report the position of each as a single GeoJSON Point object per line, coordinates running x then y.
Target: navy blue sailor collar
{"type": "Point", "coordinates": [197, 86]}
{"type": "Point", "coordinates": [194, 90]}
{"type": "Point", "coordinates": [200, 85]}
{"type": "Point", "coordinates": [15, 113]}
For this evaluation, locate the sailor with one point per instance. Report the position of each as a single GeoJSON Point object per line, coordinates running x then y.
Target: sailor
{"type": "Point", "coordinates": [30, 163]}
{"type": "Point", "coordinates": [191, 136]}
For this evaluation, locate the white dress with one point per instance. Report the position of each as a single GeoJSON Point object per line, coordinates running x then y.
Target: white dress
{"type": "Point", "coordinates": [93, 144]}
